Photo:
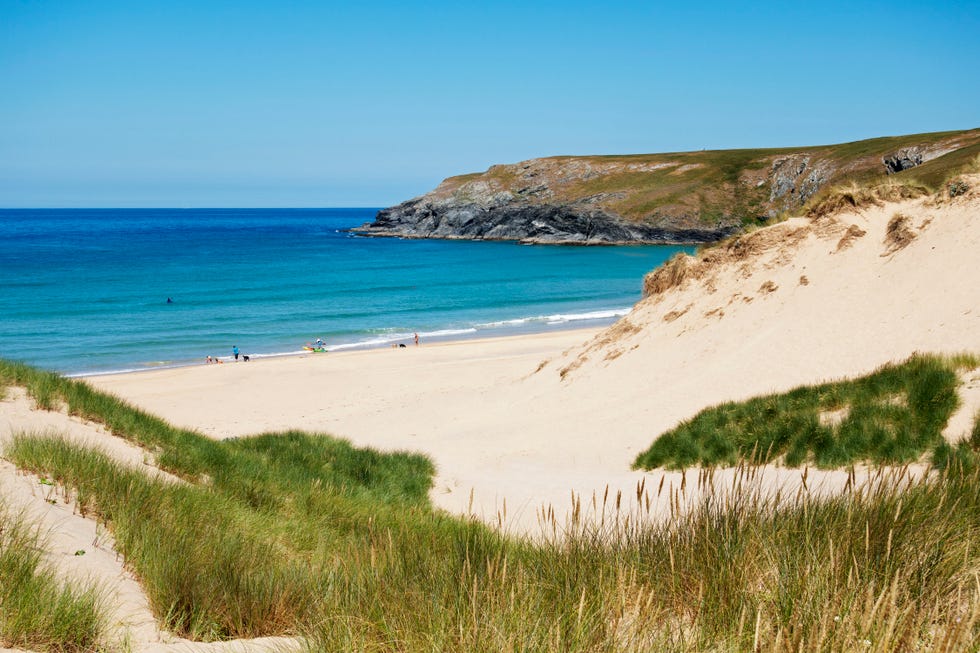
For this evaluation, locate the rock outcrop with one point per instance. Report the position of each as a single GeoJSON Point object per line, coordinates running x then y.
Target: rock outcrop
{"type": "Point", "coordinates": [688, 197]}
{"type": "Point", "coordinates": [795, 179]}
{"type": "Point", "coordinates": [556, 224]}
{"type": "Point", "coordinates": [904, 159]}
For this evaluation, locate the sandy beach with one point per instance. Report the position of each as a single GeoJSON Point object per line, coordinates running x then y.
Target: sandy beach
{"type": "Point", "coordinates": [527, 421]}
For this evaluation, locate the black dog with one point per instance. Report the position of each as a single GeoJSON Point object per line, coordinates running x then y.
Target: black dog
{"type": "Point", "coordinates": [245, 358]}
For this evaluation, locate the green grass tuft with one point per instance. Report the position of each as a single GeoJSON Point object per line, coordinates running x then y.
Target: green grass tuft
{"type": "Point", "coordinates": [892, 416]}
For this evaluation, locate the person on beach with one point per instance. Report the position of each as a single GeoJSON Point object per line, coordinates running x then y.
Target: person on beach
{"type": "Point", "coordinates": [416, 339]}
{"type": "Point", "coordinates": [234, 350]}
{"type": "Point", "coordinates": [209, 360]}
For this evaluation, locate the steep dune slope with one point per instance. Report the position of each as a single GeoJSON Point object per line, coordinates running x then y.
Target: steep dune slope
{"type": "Point", "coordinates": [807, 299]}
{"type": "Point", "coordinates": [799, 302]}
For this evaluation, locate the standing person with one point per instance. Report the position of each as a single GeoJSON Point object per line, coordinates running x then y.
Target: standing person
{"type": "Point", "coordinates": [234, 350]}
{"type": "Point", "coordinates": [416, 339]}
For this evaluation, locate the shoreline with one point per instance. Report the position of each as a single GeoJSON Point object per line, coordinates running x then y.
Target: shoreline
{"type": "Point", "coordinates": [574, 335]}
{"type": "Point", "coordinates": [241, 279]}
{"type": "Point", "coordinates": [517, 328]}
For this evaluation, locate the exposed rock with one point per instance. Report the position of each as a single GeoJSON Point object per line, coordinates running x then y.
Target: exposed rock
{"type": "Point", "coordinates": [784, 175]}
{"type": "Point", "coordinates": [905, 158]}
{"type": "Point", "coordinates": [579, 224]}
{"type": "Point", "coordinates": [793, 181]}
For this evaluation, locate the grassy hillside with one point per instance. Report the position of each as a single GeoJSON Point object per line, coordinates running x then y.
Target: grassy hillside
{"type": "Point", "coordinates": [714, 186]}
{"type": "Point", "coordinates": [302, 534]}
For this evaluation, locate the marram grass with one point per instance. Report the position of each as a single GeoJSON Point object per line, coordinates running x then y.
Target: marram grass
{"type": "Point", "coordinates": [265, 536]}
{"type": "Point", "coordinates": [37, 611]}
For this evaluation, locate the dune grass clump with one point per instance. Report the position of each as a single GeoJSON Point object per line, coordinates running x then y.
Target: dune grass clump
{"type": "Point", "coordinates": [51, 391]}
{"type": "Point", "coordinates": [204, 566]}
{"type": "Point", "coordinates": [229, 552]}
{"type": "Point", "coordinates": [898, 233]}
{"type": "Point", "coordinates": [669, 275]}
{"type": "Point", "coordinates": [37, 611]}
{"type": "Point", "coordinates": [892, 416]}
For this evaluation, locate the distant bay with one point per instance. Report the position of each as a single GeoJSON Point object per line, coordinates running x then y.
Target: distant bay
{"type": "Point", "coordinates": [86, 291]}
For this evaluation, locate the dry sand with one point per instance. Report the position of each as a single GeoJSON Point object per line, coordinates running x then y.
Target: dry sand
{"type": "Point", "coordinates": [531, 420]}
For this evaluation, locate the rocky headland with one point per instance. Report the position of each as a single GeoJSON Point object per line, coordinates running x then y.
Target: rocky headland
{"type": "Point", "coordinates": [687, 197]}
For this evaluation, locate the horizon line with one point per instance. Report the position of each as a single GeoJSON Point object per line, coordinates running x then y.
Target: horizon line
{"type": "Point", "coordinates": [180, 208]}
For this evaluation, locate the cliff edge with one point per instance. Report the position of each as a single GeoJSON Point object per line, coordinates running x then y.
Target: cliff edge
{"type": "Point", "coordinates": [687, 197]}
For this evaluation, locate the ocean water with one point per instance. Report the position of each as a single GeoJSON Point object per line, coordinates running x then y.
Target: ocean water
{"type": "Point", "coordinates": [85, 291]}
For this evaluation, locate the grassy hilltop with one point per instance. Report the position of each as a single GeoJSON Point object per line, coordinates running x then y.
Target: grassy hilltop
{"type": "Point", "coordinates": [714, 186]}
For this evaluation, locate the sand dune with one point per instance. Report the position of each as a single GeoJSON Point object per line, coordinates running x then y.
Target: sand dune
{"type": "Point", "coordinates": [517, 424]}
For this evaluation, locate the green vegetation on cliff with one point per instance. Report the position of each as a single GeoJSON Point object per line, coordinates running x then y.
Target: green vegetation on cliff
{"type": "Point", "coordinates": [712, 187]}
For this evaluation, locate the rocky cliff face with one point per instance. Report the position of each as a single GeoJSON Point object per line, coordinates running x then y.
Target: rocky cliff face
{"type": "Point", "coordinates": [557, 224]}
{"type": "Point", "coordinates": [691, 197]}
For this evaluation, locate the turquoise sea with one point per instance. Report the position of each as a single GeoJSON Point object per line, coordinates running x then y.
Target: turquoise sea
{"type": "Point", "coordinates": [86, 291]}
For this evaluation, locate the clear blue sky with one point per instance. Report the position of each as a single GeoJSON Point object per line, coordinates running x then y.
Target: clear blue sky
{"type": "Point", "coordinates": [143, 103]}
